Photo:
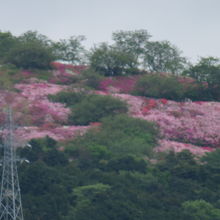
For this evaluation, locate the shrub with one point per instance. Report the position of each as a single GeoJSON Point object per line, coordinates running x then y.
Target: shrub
{"type": "Point", "coordinates": [94, 107]}
{"type": "Point", "coordinates": [120, 135]}
{"type": "Point", "coordinates": [159, 86]}
{"type": "Point", "coordinates": [197, 92]}
{"type": "Point", "coordinates": [67, 97]}
{"type": "Point", "coordinates": [92, 78]}
{"type": "Point", "coordinates": [30, 56]}
{"type": "Point", "coordinates": [171, 87]}
{"type": "Point", "coordinates": [9, 75]}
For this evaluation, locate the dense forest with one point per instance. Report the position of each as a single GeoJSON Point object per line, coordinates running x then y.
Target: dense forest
{"type": "Point", "coordinates": [123, 131]}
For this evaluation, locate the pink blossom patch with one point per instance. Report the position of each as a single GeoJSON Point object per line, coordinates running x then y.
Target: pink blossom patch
{"type": "Point", "coordinates": [119, 84]}
{"type": "Point", "coordinates": [185, 121]}
{"type": "Point", "coordinates": [167, 145]}
{"type": "Point", "coordinates": [25, 134]}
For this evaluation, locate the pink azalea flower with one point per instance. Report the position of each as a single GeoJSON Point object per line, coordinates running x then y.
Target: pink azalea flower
{"type": "Point", "coordinates": [184, 121]}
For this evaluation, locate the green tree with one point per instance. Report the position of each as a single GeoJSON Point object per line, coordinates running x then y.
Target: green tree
{"type": "Point", "coordinates": [207, 71]}
{"type": "Point", "coordinates": [110, 61]}
{"type": "Point", "coordinates": [132, 42]}
{"type": "Point", "coordinates": [30, 55]}
{"type": "Point", "coordinates": [162, 56]}
{"type": "Point", "coordinates": [44, 194]}
{"type": "Point", "coordinates": [35, 37]}
{"type": "Point", "coordinates": [7, 41]}
{"type": "Point", "coordinates": [200, 210]}
{"type": "Point", "coordinates": [104, 202]}
{"type": "Point", "coordinates": [120, 134]}
{"type": "Point", "coordinates": [211, 160]}
{"type": "Point", "coordinates": [211, 169]}
{"type": "Point", "coordinates": [44, 149]}
{"type": "Point", "coordinates": [71, 50]}
{"type": "Point", "coordinates": [127, 162]}
{"type": "Point", "coordinates": [32, 50]}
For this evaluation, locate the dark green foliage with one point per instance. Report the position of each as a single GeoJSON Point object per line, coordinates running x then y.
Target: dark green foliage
{"type": "Point", "coordinates": [132, 49]}
{"type": "Point", "coordinates": [43, 192]}
{"type": "Point", "coordinates": [29, 51]}
{"type": "Point", "coordinates": [30, 55]}
{"type": "Point", "coordinates": [127, 162]}
{"type": "Point", "coordinates": [87, 108]}
{"type": "Point", "coordinates": [94, 107]}
{"type": "Point", "coordinates": [132, 42]}
{"type": "Point", "coordinates": [212, 160]}
{"type": "Point", "coordinates": [9, 76]}
{"type": "Point", "coordinates": [43, 150]}
{"type": "Point", "coordinates": [120, 135]}
{"type": "Point", "coordinates": [169, 87]}
{"type": "Point", "coordinates": [70, 50]}
{"type": "Point", "coordinates": [111, 61]}
{"type": "Point", "coordinates": [159, 86]}
{"type": "Point", "coordinates": [67, 97]}
{"type": "Point", "coordinates": [162, 56]}
{"type": "Point", "coordinates": [201, 210]}
{"type": "Point", "coordinates": [103, 182]}
{"type": "Point", "coordinates": [196, 91]}
{"type": "Point", "coordinates": [207, 72]}
{"type": "Point", "coordinates": [32, 50]}
{"type": "Point", "coordinates": [7, 41]}
{"type": "Point", "coordinates": [35, 37]}
{"type": "Point", "coordinates": [85, 196]}
{"type": "Point", "coordinates": [92, 78]}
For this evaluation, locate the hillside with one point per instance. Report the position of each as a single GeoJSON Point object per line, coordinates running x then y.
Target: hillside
{"type": "Point", "coordinates": [97, 150]}
{"type": "Point", "coordinates": [191, 125]}
{"type": "Point", "coordinates": [128, 131]}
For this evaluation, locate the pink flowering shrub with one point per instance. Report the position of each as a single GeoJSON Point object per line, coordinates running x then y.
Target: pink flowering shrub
{"type": "Point", "coordinates": [188, 122]}
{"type": "Point", "coordinates": [38, 90]}
{"type": "Point", "coordinates": [123, 84]}
{"type": "Point", "coordinates": [197, 123]}
{"type": "Point", "coordinates": [44, 111]}
{"type": "Point", "coordinates": [66, 73]}
{"type": "Point", "coordinates": [38, 106]}
{"type": "Point", "coordinates": [58, 133]}
{"type": "Point", "coordinates": [167, 145]}
{"type": "Point", "coordinates": [183, 125]}
{"type": "Point", "coordinates": [16, 102]}
{"type": "Point", "coordinates": [61, 67]}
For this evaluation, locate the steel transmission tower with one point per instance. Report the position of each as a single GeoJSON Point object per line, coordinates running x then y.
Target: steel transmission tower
{"type": "Point", "coordinates": [10, 197]}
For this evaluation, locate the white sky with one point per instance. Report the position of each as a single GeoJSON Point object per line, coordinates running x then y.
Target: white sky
{"type": "Point", "coordinates": [191, 25]}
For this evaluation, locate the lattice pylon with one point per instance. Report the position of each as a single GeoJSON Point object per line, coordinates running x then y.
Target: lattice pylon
{"type": "Point", "coordinates": [10, 196]}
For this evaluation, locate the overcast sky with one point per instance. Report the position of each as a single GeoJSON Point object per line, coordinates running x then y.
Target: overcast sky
{"type": "Point", "coordinates": [192, 25]}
